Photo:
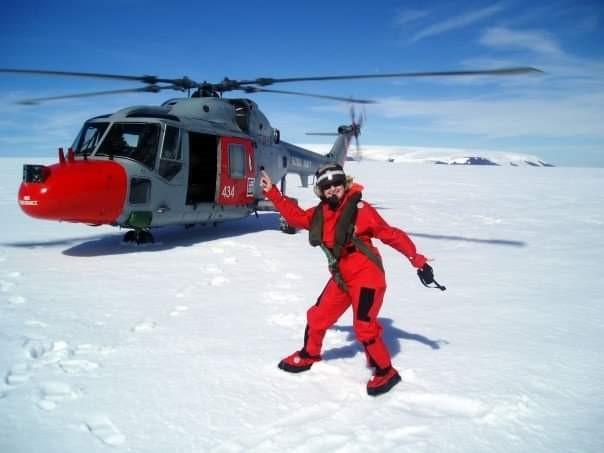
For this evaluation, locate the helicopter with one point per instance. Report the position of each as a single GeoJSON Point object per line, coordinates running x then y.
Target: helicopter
{"type": "Point", "coordinates": [190, 160]}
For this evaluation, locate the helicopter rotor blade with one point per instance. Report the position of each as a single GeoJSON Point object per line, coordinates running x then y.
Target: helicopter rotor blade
{"type": "Point", "coordinates": [264, 81]}
{"type": "Point", "coordinates": [248, 86]}
{"type": "Point", "coordinates": [183, 82]}
{"type": "Point", "coordinates": [147, 89]}
{"type": "Point", "coordinates": [251, 89]}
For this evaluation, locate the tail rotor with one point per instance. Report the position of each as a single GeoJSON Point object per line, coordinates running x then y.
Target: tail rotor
{"type": "Point", "coordinates": [357, 123]}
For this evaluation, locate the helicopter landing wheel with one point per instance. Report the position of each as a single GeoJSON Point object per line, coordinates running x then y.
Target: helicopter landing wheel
{"type": "Point", "coordinates": [139, 237]}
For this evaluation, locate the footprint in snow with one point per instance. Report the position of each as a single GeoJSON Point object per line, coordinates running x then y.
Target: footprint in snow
{"type": "Point", "coordinates": [87, 348]}
{"type": "Point", "coordinates": [35, 348]}
{"type": "Point", "coordinates": [104, 430]}
{"type": "Point", "coordinates": [47, 352]}
{"type": "Point", "coordinates": [77, 366]}
{"type": "Point", "coordinates": [18, 374]}
{"type": "Point", "coordinates": [52, 393]}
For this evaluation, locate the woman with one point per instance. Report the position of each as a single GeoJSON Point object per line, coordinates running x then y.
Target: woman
{"type": "Point", "coordinates": [343, 225]}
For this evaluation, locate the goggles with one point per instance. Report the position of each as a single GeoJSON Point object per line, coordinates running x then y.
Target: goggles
{"type": "Point", "coordinates": [331, 179]}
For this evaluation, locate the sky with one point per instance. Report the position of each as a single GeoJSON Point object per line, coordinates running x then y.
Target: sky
{"type": "Point", "coordinates": [556, 115]}
{"type": "Point", "coordinates": [173, 346]}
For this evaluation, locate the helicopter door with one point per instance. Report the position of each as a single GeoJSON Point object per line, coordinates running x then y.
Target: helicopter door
{"type": "Point", "coordinates": [237, 177]}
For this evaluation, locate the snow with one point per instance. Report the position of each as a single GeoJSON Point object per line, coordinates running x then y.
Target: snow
{"type": "Point", "coordinates": [444, 156]}
{"type": "Point", "coordinates": [173, 347]}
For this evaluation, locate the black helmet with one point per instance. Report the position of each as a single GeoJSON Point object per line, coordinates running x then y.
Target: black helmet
{"type": "Point", "coordinates": [331, 174]}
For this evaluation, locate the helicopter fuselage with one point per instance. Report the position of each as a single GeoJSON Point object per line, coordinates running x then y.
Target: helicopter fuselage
{"type": "Point", "coordinates": [188, 161]}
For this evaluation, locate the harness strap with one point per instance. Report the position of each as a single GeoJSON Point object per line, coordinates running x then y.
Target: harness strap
{"type": "Point", "coordinates": [344, 235]}
{"type": "Point", "coordinates": [345, 225]}
{"type": "Point", "coordinates": [332, 264]}
{"type": "Point", "coordinates": [365, 250]}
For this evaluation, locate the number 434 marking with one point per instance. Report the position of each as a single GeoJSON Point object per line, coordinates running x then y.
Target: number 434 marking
{"type": "Point", "coordinates": [228, 191]}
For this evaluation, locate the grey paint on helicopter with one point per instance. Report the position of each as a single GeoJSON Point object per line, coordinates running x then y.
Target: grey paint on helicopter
{"type": "Point", "coordinates": [217, 118]}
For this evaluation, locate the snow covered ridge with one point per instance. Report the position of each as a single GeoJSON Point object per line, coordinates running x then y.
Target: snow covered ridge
{"type": "Point", "coordinates": [514, 161]}
{"type": "Point", "coordinates": [441, 156]}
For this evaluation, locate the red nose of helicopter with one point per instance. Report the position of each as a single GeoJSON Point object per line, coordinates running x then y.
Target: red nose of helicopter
{"type": "Point", "coordinates": [88, 191]}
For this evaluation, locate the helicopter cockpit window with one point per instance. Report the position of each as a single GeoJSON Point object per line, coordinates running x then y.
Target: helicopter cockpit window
{"type": "Point", "coordinates": [171, 159]}
{"type": "Point", "coordinates": [236, 161]}
{"type": "Point", "coordinates": [242, 114]}
{"type": "Point", "coordinates": [137, 141]}
{"type": "Point", "coordinates": [89, 137]}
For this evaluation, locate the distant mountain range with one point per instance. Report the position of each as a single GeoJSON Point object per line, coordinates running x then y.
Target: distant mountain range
{"type": "Point", "coordinates": [504, 159]}
{"type": "Point", "coordinates": [439, 156]}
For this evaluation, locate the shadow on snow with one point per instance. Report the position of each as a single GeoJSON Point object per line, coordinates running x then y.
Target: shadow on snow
{"type": "Point", "coordinates": [166, 238]}
{"type": "Point", "coordinates": [391, 336]}
{"type": "Point", "coordinates": [465, 239]}
{"type": "Point", "coordinates": [177, 236]}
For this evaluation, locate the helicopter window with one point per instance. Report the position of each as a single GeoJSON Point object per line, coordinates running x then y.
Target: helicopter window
{"type": "Point", "coordinates": [171, 148]}
{"type": "Point", "coordinates": [139, 190]}
{"type": "Point", "coordinates": [89, 137]}
{"type": "Point", "coordinates": [171, 159]}
{"type": "Point", "coordinates": [242, 113]}
{"type": "Point", "coordinates": [236, 161]}
{"type": "Point", "coordinates": [131, 140]}
{"type": "Point", "coordinates": [137, 141]}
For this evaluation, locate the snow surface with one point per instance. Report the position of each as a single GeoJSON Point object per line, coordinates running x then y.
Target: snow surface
{"type": "Point", "coordinates": [431, 155]}
{"type": "Point", "coordinates": [173, 347]}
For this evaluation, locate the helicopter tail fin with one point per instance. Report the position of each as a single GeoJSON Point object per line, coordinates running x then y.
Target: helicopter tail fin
{"type": "Point", "coordinates": [339, 150]}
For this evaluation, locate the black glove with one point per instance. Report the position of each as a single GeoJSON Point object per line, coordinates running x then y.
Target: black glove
{"type": "Point", "coordinates": [426, 276]}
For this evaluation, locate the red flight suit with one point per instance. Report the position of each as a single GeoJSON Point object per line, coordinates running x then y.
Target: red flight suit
{"type": "Point", "coordinates": [365, 281]}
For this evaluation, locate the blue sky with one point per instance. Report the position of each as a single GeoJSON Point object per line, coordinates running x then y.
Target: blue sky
{"type": "Point", "coordinates": [557, 116]}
